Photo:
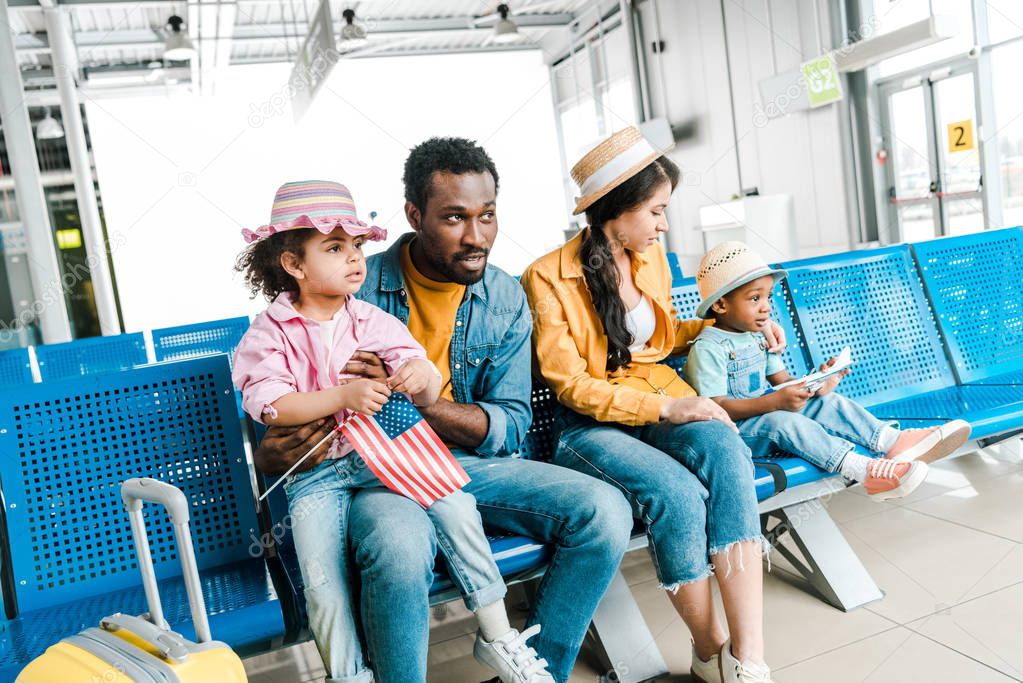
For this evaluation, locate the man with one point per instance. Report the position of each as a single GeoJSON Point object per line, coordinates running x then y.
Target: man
{"type": "Point", "coordinates": [474, 322]}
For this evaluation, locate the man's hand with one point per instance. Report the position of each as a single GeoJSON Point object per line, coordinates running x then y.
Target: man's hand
{"type": "Point", "coordinates": [792, 398]}
{"type": "Point", "coordinates": [283, 446]}
{"type": "Point", "coordinates": [829, 385]}
{"type": "Point", "coordinates": [366, 365]}
{"type": "Point", "coordinates": [694, 409]}
{"type": "Point", "coordinates": [774, 335]}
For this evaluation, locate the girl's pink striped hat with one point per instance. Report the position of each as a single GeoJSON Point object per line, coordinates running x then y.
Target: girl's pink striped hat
{"type": "Point", "coordinates": [318, 204]}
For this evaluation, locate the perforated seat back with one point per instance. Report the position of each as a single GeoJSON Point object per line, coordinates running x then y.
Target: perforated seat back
{"type": "Point", "coordinates": [199, 339]}
{"type": "Point", "coordinates": [65, 448]}
{"type": "Point", "coordinates": [90, 356]}
{"type": "Point", "coordinates": [975, 284]}
{"type": "Point", "coordinates": [15, 368]}
{"type": "Point", "coordinates": [874, 303]}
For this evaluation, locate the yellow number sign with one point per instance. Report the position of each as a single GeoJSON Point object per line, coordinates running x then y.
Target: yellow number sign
{"type": "Point", "coordinates": [960, 136]}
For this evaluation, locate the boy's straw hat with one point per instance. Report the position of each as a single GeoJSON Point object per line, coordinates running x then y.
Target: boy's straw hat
{"type": "Point", "coordinates": [319, 204]}
{"type": "Point", "coordinates": [610, 164]}
{"type": "Point", "coordinates": [727, 267]}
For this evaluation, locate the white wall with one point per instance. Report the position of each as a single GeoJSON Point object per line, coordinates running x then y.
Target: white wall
{"type": "Point", "coordinates": [181, 175]}
{"type": "Point", "coordinates": [799, 154]}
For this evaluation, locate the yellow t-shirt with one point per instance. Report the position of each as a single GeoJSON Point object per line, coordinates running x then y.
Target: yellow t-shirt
{"type": "Point", "coordinates": [431, 320]}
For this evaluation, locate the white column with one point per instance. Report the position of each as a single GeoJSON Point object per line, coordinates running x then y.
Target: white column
{"type": "Point", "coordinates": [49, 301]}
{"type": "Point", "coordinates": [58, 31]}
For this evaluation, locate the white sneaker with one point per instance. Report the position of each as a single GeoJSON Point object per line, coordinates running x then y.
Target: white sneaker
{"type": "Point", "coordinates": [706, 672]}
{"type": "Point", "coordinates": [511, 659]}
{"type": "Point", "coordinates": [734, 671]}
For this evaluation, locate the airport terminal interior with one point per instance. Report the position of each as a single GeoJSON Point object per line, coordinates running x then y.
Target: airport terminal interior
{"type": "Point", "coordinates": [866, 154]}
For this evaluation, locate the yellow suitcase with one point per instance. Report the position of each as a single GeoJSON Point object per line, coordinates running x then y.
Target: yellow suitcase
{"type": "Point", "coordinates": [126, 648]}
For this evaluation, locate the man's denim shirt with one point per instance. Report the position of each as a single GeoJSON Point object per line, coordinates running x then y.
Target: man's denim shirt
{"type": "Point", "coordinates": [490, 352]}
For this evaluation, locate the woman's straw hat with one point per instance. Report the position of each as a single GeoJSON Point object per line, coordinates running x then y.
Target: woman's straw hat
{"type": "Point", "coordinates": [610, 164]}
{"type": "Point", "coordinates": [727, 267]}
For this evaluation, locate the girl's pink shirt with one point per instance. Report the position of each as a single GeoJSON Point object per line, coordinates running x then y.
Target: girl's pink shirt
{"type": "Point", "coordinates": [283, 352]}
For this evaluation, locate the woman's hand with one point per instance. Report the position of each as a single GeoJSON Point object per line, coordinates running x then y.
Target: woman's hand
{"type": "Point", "coordinates": [694, 409]}
{"type": "Point", "coordinates": [774, 335]}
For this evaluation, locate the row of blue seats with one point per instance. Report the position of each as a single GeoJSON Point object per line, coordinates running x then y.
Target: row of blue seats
{"type": "Point", "coordinates": [881, 303]}
{"type": "Point", "coordinates": [119, 352]}
{"type": "Point", "coordinates": [937, 320]}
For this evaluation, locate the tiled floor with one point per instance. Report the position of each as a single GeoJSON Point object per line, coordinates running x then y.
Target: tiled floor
{"type": "Point", "coordinates": [950, 559]}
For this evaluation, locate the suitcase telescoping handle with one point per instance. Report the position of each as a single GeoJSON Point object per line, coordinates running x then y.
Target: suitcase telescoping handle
{"type": "Point", "coordinates": [133, 492]}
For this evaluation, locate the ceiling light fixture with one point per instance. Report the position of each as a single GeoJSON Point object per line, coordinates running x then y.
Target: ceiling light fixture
{"type": "Point", "coordinates": [505, 30]}
{"type": "Point", "coordinates": [179, 47]}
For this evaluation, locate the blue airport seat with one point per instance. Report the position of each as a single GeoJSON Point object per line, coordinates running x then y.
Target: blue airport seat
{"type": "Point", "coordinates": [199, 339]}
{"type": "Point", "coordinates": [15, 368]}
{"type": "Point", "coordinates": [874, 302]}
{"type": "Point", "coordinates": [975, 286]}
{"type": "Point", "coordinates": [676, 269]}
{"type": "Point", "coordinates": [67, 445]}
{"type": "Point", "coordinates": [90, 356]}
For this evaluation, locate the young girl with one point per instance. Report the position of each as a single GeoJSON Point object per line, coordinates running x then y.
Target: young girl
{"type": "Point", "coordinates": [729, 363]}
{"type": "Point", "coordinates": [308, 261]}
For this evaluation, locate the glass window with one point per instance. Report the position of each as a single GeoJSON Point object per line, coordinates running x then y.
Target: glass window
{"type": "Point", "coordinates": [1008, 98]}
{"type": "Point", "coordinates": [1004, 19]}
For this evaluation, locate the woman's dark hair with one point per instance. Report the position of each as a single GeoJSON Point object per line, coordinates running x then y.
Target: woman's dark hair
{"type": "Point", "coordinates": [261, 266]}
{"type": "Point", "coordinates": [602, 277]}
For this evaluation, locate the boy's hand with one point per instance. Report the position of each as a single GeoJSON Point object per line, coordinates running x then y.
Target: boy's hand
{"type": "Point", "coordinates": [413, 377]}
{"type": "Point", "coordinates": [829, 385]}
{"type": "Point", "coordinates": [364, 396]}
{"type": "Point", "coordinates": [792, 398]}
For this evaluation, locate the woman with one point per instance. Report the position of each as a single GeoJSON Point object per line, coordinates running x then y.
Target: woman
{"type": "Point", "coordinates": [603, 322]}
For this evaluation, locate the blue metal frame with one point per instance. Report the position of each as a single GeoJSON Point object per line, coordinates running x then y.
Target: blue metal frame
{"type": "Point", "coordinates": [15, 368]}
{"type": "Point", "coordinates": [975, 286]}
{"type": "Point", "coordinates": [91, 356]}
{"type": "Point", "coordinates": [199, 339]}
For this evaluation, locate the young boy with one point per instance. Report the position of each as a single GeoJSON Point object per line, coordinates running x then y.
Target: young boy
{"type": "Point", "coordinates": [729, 363]}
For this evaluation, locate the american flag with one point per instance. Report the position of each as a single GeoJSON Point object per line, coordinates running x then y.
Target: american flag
{"type": "Point", "coordinates": [404, 452]}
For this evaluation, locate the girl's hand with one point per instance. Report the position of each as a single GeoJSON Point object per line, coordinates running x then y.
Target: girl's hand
{"type": "Point", "coordinates": [832, 382]}
{"type": "Point", "coordinates": [792, 398]}
{"type": "Point", "coordinates": [413, 377]}
{"type": "Point", "coordinates": [694, 409]}
{"type": "Point", "coordinates": [364, 396]}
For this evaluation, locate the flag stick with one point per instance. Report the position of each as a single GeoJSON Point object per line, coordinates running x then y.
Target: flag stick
{"type": "Point", "coordinates": [298, 462]}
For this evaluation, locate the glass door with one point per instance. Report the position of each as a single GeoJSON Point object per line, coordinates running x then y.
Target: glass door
{"type": "Point", "coordinates": [933, 148]}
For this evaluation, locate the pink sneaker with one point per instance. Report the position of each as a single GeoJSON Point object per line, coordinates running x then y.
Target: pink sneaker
{"type": "Point", "coordinates": [887, 479]}
{"type": "Point", "coordinates": [928, 445]}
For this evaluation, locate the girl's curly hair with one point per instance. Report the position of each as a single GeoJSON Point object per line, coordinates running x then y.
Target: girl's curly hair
{"type": "Point", "coordinates": [261, 267]}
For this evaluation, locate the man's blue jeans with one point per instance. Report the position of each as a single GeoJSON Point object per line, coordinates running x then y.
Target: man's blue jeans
{"type": "Point", "coordinates": [394, 546]}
